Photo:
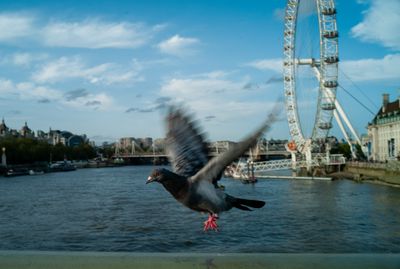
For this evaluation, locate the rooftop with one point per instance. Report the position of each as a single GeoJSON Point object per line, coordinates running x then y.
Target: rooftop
{"type": "Point", "coordinates": [387, 110]}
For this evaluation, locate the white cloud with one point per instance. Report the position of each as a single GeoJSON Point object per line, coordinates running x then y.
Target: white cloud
{"type": "Point", "coordinates": [178, 46]}
{"type": "Point", "coordinates": [200, 86]}
{"type": "Point", "coordinates": [60, 69]}
{"type": "Point", "coordinates": [275, 65]}
{"type": "Point", "coordinates": [96, 34]}
{"type": "Point", "coordinates": [218, 95]}
{"type": "Point", "coordinates": [15, 25]}
{"type": "Point", "coordinates": [31, 91]}
{"type": "Point", "coordinates": [380, 24]}
{"type": "Point", "coordinates": [89, 33]}
{"type": "Point", "coordinates": [66, 68]}
{"type": "Point", "coordinates": [6, 86]}
{"type": "Point", "coordinates": [100, 101]}
{"type": "Point", "coordinates": [27, 90]}
{"type": "Point", "coordinates": [373, 69]}
{"type": "Point", "coordinates": [25, 59]}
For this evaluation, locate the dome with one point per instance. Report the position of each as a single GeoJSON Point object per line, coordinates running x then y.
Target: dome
{"type": "Point", "coordinates": [25, 128]}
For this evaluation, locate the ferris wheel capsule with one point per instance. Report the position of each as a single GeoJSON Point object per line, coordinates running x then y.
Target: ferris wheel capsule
{"type": "Point", "coordinates": [291, 146]}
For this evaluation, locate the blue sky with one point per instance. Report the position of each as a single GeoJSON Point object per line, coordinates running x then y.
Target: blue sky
{"type": "Point", "coordinates": [107, 68]}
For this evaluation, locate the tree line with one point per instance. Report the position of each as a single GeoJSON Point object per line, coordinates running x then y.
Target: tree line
{"type": "Point", "coordinates": [21, 150]}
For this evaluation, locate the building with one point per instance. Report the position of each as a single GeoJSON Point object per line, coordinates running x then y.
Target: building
{"type": "Point", "coordinates": [218, 147]}
{"type": "Point", "coordinates": [4, 130]}
{"type": "Point", "coordinates": [75, 140]}
{"type": "Point", "coordinates": [145, 143]}
{"type": "Point", "coordinates": [66, 138]}
{"type": "Point", "coordinates": [133, 145]}
{"type": "Point", "coordinates": [26, 131]}
{"type": "Point", "coordinates": [384, 132]}
{"type": "Point", "coordinates": [126, 143]}
{"type": "Point", "coordinates": [159, 145]}
{"type": "Point", "coordinates": [53, 137]}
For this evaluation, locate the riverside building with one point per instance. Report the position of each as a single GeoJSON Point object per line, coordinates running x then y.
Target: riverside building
{"type": "Point", "coordinates": [384, 132]}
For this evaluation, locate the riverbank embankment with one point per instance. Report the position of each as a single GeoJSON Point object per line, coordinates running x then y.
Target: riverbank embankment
{"type": "Point", "coordinates": [44, 167]}
{"type": "Point", "coordinates": [382, 173]}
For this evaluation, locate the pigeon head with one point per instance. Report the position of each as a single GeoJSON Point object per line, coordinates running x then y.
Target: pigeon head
{"type": "Point", "coordinates": [177, 185]}
{"type": "Point", "coordinates": [157, 175]}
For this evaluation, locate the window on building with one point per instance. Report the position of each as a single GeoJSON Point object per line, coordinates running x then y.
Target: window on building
{"type": "Point", "coordinates": [391, 147]}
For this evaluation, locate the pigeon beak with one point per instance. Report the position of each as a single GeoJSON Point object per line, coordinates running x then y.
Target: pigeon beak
{"type": "Point", "coordinates": [150, 179]}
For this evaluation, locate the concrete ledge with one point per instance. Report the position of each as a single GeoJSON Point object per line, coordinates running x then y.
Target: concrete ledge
{"type": "Point", "coordinates": [373, 172]}
{"type": "Point", "coordinates": [54, 260]}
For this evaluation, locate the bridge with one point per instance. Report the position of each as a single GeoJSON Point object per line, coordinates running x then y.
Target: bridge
{"type": "Point", "coordinates": [278, 153]}
{"type": "Point", "coordinates": [136, 155]}
{"type": "Point", "coordinates": [162, 158]}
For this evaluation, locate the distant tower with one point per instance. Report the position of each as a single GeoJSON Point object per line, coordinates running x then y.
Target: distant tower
{"type": "Point", "coordinates": [3, 128]}
{"type": "Point", "coordinates": [3, 157]}
{"type": "Point", "coordinates": [26, 131]}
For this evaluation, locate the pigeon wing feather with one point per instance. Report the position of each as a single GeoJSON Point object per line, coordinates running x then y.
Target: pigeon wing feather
{"type": "Point", "coordinates": [216, 166]}
{"type": "Point", "coordinates": [185, 144]}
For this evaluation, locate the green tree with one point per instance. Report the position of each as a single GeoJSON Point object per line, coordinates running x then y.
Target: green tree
{"type": "Point", "coordinates": [342, 148]}
{"type": "Point", "coordinates": [27, 151]}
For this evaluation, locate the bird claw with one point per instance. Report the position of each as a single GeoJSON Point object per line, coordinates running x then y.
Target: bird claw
{"type": "Point", "coordinates": [211, 223]}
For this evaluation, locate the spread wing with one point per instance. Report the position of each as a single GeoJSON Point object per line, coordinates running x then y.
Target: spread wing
{"type": "Point", "coordinates": [216, 166]}
{"type": "Point", "coordinates": [186, 148]}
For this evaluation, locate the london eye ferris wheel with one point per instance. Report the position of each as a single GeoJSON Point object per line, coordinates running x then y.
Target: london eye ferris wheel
{"type": "Point", "coordinates": [324, 66]}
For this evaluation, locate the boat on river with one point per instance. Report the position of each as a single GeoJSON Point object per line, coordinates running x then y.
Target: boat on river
{"type": "Point", "coordinates": [61, 167]}
{"type": "Point", "coordinates": [15, 173]}
{"type": "Point", "coordinates": [237, 171]}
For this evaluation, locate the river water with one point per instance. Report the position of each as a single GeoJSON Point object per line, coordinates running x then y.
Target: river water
{"type": "Point", "coordinates": [112, 209]}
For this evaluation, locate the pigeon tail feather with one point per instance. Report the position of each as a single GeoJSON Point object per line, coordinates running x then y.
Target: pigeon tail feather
{"type": "Point", "coordinates": [243, 203]}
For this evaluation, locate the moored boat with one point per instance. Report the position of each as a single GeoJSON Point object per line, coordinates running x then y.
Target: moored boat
{"type": "Point", "coordinates": [61, 167]}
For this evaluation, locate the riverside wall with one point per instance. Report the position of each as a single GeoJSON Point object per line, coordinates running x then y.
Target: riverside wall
{"type": "Point", "coordinates": [388, 173]}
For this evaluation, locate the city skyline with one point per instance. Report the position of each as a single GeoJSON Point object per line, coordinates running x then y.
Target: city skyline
{"type": "Point", "coordinates": [108, 70]}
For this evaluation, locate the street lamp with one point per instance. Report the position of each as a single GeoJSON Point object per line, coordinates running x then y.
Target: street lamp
{"type": "Point", "coordinates": [3, 157]}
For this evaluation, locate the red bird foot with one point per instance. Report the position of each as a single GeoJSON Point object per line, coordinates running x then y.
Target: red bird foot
{"type": "Point", "coordinates": [211, 223]}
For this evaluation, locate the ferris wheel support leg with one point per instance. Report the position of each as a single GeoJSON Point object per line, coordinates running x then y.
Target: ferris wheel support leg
{"type": "Point", "coordinates": [346, 120]}
{"type": "Point", "coordinates": [308, 159]}
{"type": "Point", "coordinates": [294, 161]}
{"type": "Point", "coordinates": [306, 151]}
{"type": "Point", "coordinates": [328, 155]}
{"type": "Point", "coordinates": [346, 136]}
{"type": "Point", "coordinates": [339, 109]}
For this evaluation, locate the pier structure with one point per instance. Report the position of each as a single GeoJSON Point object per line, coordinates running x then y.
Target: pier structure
{"type": "Point", "coordinates": [320, 164]}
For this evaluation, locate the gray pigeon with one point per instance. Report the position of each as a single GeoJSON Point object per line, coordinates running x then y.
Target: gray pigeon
{"type": "Point", "coordinates": [193, 181]}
